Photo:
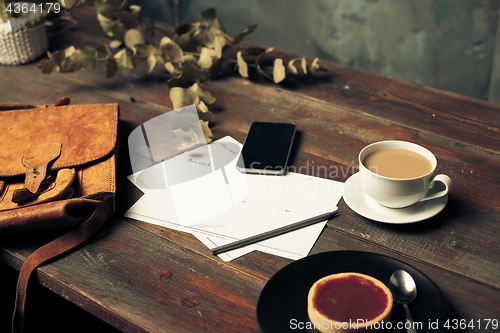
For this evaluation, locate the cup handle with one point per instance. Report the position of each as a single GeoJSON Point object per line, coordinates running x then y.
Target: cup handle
{"type": "Point", "coordinates": [443, 179]}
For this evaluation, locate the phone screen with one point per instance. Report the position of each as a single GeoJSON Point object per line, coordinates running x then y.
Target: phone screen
{"type": "Point", "coordinates": [266, 148]}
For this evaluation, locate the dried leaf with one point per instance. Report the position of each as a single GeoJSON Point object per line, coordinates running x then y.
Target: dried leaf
{"type": "Point", "coordinates": [172, 68]}
{"type": "Point", "coordinates": [114, 44]}
{"type": "Point", "coordinates": [204, 95]}
{"type": "Point", "coordinates": [220, 44]}
{"type": "Point", "coordinates": [58, 56]}
{"type": "Point", "coordinates": [69, 4]}
{"type": "Point", "coordinates": [206, 131]}
{"type": "Point", "coordinates": [164, 41]}
{"type": "Point", "coordinates": [205, 60]}
{"type": "Point", "coordinates": [106, 7]}
{"type": "Point", "coordinates": [218, 24]}
{"type": "Point", "coordinates": [216, 67]}
{"type": "Point", "coordinates": [103, 7]}
{"type": "Point", "coordinates": [125, 58]}
{"type": "Point", "coordinates": [107, 24]}
{"type": "Point", "coordinates": [186, 40]}
{"type": "Point", "coordinates": [207, 16]}
{"type": "Point", "coordinates": [169, 67]}
{"type": "Point", "coordinates": [159, 59]}
{"type": "Point", "coordinates": [47, 65]}
{"type": "Point", "coordinates": [303, 63]}
{"type": "Point", "coordinates": [203, 112]}
{"type": "Point", "coordinates": [212, 33]}
{"type": "Point", "coordinates": [279, 70]}
{"type": "Point", "coordinates": [314, 64]}
{"type": "Point", "coordinates": [198, 74]}
{"type": "Point", "coordinates": [151, 62]}
{"type": "Point", "coordinates": [119, 30]}
{"type": "Point", "coordinates": [184, 80]}
{"type": "Point", "coordinates": [69, 51]}
{"type": "Point", "coordinates": [144, 49]}
{"type": "Point", "coordinates": [135, 8]}
{"type": "Point", "coordinates": [112, 28]}
{"type": "Point", "coordinates": [147, 27]}
{"type": "Point", "coordinates": [132, 38]}
{"type": "Point", "coordinates": [315, 67]}
{"type": "Point", "coordinates": [242, 65]}
{"type": "Point", "coordinates": [111, 66]}
{"type": "Point", "coordinates": [291, 67]}
{"type": "Point", "coordinates": [211, 27]}
{"type": "Point", "coordinates": [259, 60]}
{"type": "Point", "coordinates": [171, 51]}
{"type": "Point", "coordinates": [189, 58]}
{"type": "Point", "coordinates": [84, 58]}
{"type": "Point", "coordinates": [182, 97]}
{"type": "Point", "coordinates": [202, 107]}
{"type": "Point", "coordinates": [3, 13]}
{"type": "Point", "coordinates": [241, 35]}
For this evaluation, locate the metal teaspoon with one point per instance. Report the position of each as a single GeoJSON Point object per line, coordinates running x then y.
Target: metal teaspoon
{"type": "Point", "coordinates": [404, 291]}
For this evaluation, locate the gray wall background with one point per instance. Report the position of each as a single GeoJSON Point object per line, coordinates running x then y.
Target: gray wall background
{"type": "Point", "coordinates": [452, 45]}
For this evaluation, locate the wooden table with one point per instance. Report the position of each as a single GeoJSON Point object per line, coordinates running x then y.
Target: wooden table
{"type": "Point", "coordinates": [142, 278]}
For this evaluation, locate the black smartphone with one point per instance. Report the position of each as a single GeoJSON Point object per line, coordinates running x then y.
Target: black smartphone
{"type": "Point", "coordinates": [266, 148]}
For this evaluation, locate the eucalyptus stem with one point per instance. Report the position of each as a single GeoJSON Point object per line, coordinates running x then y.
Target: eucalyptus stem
{"type": "Point", "coordinates": [205, 41]}
{"type": "Point", "coordinates": [166, 32]}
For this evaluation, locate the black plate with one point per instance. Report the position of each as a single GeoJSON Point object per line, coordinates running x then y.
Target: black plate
{"type": "Point", "coordinates": [282, 305]}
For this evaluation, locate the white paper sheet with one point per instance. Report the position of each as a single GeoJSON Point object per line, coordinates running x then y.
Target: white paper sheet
{"type": "Point", "coordinates": [219, 204]}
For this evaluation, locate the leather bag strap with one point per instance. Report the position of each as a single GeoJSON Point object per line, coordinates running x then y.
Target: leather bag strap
{"type": "Point", "coordinates": [20, 106]}
{"type": "Point", "coordinates": [104, 207]}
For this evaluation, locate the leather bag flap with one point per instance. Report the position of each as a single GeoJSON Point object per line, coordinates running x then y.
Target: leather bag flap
{"type": "Point", "coordinates": [86, 133]}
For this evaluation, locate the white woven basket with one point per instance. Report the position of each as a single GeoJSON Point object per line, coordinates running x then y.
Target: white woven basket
{"type": "Point", "coordinates": [23, 46]}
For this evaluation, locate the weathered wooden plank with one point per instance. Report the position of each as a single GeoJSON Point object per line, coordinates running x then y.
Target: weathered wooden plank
{"type": "Point", "coordinates": [479, 301]}
{"type": "Point", "coordinates": [45, 310]}
{"type": "Point", "coordinates": [139, 282]}
{"type": "Point", "coordinates": [470, 301]}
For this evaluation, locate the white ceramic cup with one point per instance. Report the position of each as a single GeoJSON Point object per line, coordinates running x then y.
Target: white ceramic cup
{"type": "Point", "coordinates": [401, 192]}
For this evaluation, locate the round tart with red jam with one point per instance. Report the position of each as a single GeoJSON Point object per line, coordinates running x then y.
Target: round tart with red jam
{"type": "Point", "coordinates": [349, 301]}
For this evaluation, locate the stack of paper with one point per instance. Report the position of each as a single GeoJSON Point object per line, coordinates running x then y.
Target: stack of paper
{"type": "Point", "coordinates": [202, 192]}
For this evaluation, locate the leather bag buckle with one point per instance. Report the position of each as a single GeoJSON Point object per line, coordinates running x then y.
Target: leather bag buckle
{"type": "Point", "coordinates": [37, 160]}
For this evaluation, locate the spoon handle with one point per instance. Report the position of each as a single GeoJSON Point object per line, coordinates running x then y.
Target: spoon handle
{"type": "Point", "coordinates": [410, 326]}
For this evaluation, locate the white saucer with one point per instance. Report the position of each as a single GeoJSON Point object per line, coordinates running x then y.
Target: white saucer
{"type": "Point", "coordinates": [356, 198]}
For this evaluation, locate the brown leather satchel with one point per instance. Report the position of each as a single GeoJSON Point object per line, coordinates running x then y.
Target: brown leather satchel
{"type": "Point", "coordinates": [57, 170]}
